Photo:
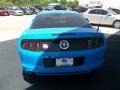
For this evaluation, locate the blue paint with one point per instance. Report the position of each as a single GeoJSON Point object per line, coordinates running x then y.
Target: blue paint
{"type": "Point", "coordinates": [33, 60]}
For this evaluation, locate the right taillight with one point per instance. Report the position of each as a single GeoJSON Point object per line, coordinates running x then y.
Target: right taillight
{"type": "Point", "coordinates": [94, 43]}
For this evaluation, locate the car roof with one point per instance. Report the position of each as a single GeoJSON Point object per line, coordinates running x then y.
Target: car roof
{"type": "Point", "coordinates": [58, 12]}
{"type": "Point", "coordinates": [94, 9]}
{"type": "Point", "coordinates": [97, 8]}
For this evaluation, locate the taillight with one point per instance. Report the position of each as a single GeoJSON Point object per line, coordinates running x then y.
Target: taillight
{"type": "Point", "coordinates": [94, 43]}
{"type": "Point", "coordinates": [89, 44]}
{"type": "Point", "coordinates": [34, 45]}
{"type": "Point", "coordinates": [38, 45]}
{"type": "Point", "coordinates": [25, 44]}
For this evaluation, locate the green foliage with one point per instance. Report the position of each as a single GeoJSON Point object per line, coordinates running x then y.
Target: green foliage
{"type": "Point", "coordinates": [63, 2]}
{"type": "Point", "coordinates": [37, 2]}
{"type": "Point", "coordinates": [72, 4]}
{"type": "Point", "coordinates": [5, 3]}
{"type": "Point", "coordinates": [54, 1]}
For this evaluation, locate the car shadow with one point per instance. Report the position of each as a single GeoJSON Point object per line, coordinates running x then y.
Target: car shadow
{"type": "Point", "coordinates": [65, 82]}
{"type": "Point", "coordinates": [106, 78]}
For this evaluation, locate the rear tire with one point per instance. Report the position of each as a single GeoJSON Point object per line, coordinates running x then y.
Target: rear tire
{"type": "Point", "coordinates": [116, 24]}
{"type": "Point", "coordinates": [29, 77]}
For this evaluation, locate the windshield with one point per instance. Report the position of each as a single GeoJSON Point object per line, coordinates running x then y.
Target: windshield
{"type": "Point", "coordinates": [58, 20]}
{"type": "Point", "coordinates": [116, 11]}
{"type": "Point", "coordinates": [112, 12]}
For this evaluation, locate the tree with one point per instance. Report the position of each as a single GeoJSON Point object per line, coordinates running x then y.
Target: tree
{"type": "Point", "coordinates": [72, 4]}
{"type": "Point", "coordinates": [38, 2]}
{"type": "Point", "coordinates": [5, 3]}
{"type": "Point", "coordinates": [63, 2]}
{"type": "Point", "coordinates": [54, 1]}
{"type": "Point", "coordinates": [76, 2]}
{"type": "Point", "coordinates": [12, 1]}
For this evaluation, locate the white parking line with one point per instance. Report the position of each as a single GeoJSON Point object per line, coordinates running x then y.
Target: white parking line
{"type": "Point", "coordinates": [109, 31]}
{"type": "Point", "coordinates": [11, 27]}
{"type": "Point", "coordinates": [9, 35]}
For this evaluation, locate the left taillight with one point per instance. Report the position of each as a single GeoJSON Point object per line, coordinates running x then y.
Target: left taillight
{"type": "Point", "coordinates": [34, 45]}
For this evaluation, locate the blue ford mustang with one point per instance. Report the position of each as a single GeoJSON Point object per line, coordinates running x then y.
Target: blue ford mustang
{"type": "Point", "coordinates": [60, 43]}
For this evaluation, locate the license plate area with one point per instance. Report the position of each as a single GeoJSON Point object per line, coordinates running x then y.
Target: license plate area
{"type": "Point", "coordinates": [69, 62]}
{"type": "Point", "coordinates": [63, 62]}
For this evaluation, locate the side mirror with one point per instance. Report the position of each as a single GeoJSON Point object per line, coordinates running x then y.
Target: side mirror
{"type": "Point", "coordinates": [108, 14]}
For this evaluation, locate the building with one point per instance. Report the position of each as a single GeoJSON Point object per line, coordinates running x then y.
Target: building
{"type": "Point", "coordinates": [111, 3]}
{"type": "Point", "coordinates": [104, 3]}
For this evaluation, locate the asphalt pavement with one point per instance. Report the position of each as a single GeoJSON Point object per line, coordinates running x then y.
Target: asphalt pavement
{"type": "Point", "coordinates": [106, 79]}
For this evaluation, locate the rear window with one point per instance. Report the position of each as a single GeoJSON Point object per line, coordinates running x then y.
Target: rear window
{"type": "Point", "coordinates": [58, 20]}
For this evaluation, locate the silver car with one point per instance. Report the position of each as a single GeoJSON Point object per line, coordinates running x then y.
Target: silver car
{"type": "Point", "coordinates": [102, 16]}
{"type": "Point", "coordinates": [18, 12]}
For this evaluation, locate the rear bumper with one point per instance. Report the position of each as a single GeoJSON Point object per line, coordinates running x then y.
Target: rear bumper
{"type": "Point", "coordinates": [19, 14]}
{"type": "Point", "coordinates": [33, 61]}
{"type": "Point", "coordinates": [4, 14]}
{"type": "Point", "coordinates": [65, 70]}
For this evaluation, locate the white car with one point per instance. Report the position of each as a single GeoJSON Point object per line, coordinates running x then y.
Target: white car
{"type": "Point", "coordinates": [18, 12]}
{"type": "Point", "coordinates": [102, 16]}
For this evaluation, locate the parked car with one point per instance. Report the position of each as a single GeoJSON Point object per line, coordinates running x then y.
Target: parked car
{"type": "Point", "coordinates": [80, 9]}
{"type": "Point", "coordinates": [34, 10]}
{"type": "Point", "coordinates": [60, 42]}
{"type": "Point", "coordinates": [59, 7]}
{"type": "Point", "coordinates": [45, 9]}
{"type": "Point", "coordinates": [18, 12]}
{"type": "Point", "coordinates": [26, 11]}
{"type": "Point", "coordinates": [55, 7]}
{"type": "Point", "coordinates": [115, 10]}
{"type": "Point", "coordinates": [68, 8]}
{"type": "Point", "coordinates": [95, 6]}
{"type": "Point", "coordinates": [102, 16]}
{"type": "Point", "coordinates": [11, 11]}
{"type": "Point", "coordinates": [4, 12]}
{"type": "Point", "coordinates": [39, 7]}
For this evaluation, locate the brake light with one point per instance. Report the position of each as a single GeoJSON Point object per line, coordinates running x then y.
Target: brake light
{"type": "Point", "coordinates": [25, 44]}
{"type": "Point", "coordinates": [34, 45]}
